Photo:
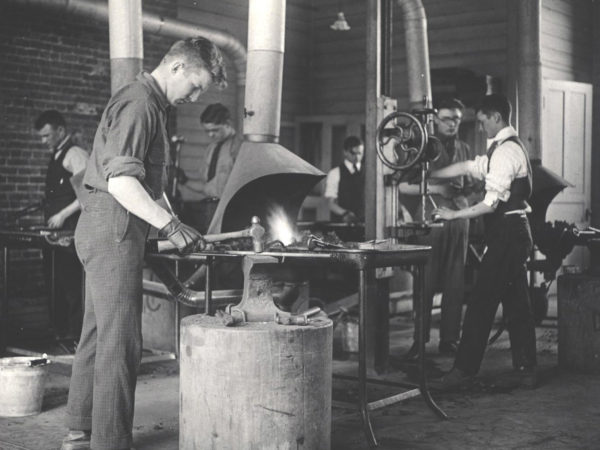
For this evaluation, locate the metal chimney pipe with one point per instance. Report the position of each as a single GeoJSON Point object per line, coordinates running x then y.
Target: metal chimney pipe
{"type": "Point", "coordinates": [126, 41]}
{"type": "Point", "coordinates": [264, 73]}
{"type": "Point", "coordinates": [161, 26]}
{"type": "Point", "coordinates": [417, 53]}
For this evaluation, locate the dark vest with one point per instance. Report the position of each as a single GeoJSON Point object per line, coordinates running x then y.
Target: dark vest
{"type": "Point", "coordinates": [351, 191]}
{"type": "Point", "coordinates": [520, 190]}
{"type": "Point", "coordinates": [59, 192]}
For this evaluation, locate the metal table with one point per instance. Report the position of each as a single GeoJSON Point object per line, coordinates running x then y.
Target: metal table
{"type": "Point", "coordinates": [363, 261]}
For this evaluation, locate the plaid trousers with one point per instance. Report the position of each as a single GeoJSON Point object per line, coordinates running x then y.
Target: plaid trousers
{"type": "Point", "coordinates": [110, 243]}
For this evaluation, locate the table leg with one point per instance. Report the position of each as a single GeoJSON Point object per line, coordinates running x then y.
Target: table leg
{"type": "Point", "coordinates": [208, 287]}
{"type": "Point", "coordinates": [4, 305]}
{"type": "Point", "coordinates": [418, 291]}
{"type": "Point", "coordinates": [362, 358]}
{"type": "Point", "coordinates": [177, 316]}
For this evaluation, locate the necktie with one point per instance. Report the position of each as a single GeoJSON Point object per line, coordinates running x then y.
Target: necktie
{"type": "Point", "coordinates": [212, 167]}
{"type": "Point", "coordinates": [355, 168]}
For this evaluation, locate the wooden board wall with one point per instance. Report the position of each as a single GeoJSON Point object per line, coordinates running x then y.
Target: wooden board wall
{"type": "Point", "coordinates": [567, 40]}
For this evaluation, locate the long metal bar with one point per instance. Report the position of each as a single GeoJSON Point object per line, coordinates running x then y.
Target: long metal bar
{"type": "Point", "coordinates": [419, 283]}
{"type": "Point", "coordinates": [53, 290]}
{"type": "Point", "coordinates": [208, 286]}
{"type": "Point", "coordinates": [362, 358]}
{"type": "Point", "coordinates": [177, 317]}
{"type": "Point", "coordinates": [4, 305]}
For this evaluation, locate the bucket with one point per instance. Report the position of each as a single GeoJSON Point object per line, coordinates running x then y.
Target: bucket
{"type": "Point", "coordinates": [22, 385]}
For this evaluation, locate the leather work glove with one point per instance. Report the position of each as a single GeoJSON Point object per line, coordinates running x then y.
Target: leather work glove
{"type": "Point", "coordinates": [184, 237]}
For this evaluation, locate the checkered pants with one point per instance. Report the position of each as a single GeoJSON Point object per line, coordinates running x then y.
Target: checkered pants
{"type": "Point", "coordinates": [110, 244]}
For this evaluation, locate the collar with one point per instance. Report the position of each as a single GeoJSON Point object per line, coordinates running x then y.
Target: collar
{"type": "Point", "coordinates": [61, 146]}
{"type": "Point", "coordinates": [349, 166]}
{"type": "Point", "coordinates": [148, 80]}
{"type": "Point", "coordinates": [502, 135]}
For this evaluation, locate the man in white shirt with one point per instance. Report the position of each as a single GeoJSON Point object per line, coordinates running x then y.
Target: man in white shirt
{"type": "Point", "coordinates": [503, 275]}
{"type": "Point", "coordinates": [61, 210]}
{"type": "Point", "coordinates": [345, 184]}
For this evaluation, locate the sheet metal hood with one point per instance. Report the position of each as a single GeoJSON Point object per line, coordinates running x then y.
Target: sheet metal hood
{"type": "Point", "coordinates": [265, 174]}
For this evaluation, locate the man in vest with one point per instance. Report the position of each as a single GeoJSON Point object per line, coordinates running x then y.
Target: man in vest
{"type": "Point", "coordinates": [208, 185]}
{"type": "Point", "coordinates": [503, 275]}
{"type": "Point", "coordinates": [445, 271]}
{"type": "Point", "coordinates": [61, 210]}
{"type": "Point", "coordinates": [345, 184]}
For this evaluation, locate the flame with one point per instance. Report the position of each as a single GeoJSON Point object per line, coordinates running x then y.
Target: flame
{"type": "Point", "coordinates": [281, 227]}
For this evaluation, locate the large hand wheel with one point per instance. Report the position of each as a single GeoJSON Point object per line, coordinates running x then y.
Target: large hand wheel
{"type": "Point", "coordinates": [408, 137]}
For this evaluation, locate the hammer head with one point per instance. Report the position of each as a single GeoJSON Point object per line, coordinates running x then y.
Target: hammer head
{"type": "Point", "coordinates": [257, 233]}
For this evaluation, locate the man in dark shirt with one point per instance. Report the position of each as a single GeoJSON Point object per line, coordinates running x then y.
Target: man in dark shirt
{"type": "Point", "coordinates": [61, 210]}
{"type": "Point", "coordinates": [125, 177]}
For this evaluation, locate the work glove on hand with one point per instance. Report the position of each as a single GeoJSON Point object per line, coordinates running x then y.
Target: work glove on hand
{"type": "Point", "coordinates": [184, 237]}
{"type": "Point", "coordinates": [349, 217]}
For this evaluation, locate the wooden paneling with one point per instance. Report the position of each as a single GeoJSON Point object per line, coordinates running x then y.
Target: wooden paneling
{"type": "Point", "coordinates": [467, 34]}
{"type": "Point", "coordinates": [567, 37]}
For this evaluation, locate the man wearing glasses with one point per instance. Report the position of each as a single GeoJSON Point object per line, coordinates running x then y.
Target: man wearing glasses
{"type": "Point", "coordinates": [445, 272]}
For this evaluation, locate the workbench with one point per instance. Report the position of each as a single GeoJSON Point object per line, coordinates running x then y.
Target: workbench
{"type": "Point", "coordinates": [363, 261]}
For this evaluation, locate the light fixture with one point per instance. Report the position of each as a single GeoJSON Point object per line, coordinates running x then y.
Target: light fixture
{"type": "Point", "coordinates": [340, 23]}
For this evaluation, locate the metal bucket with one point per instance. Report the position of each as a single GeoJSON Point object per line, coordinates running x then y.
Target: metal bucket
{"type": "Point", "coordinates": [22, 382]}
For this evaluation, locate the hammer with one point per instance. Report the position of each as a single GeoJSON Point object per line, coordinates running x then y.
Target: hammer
{"type": "Point", "coordinates": [255, 231]}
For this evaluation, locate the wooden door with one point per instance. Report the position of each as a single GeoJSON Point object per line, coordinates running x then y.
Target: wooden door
{"type": "Point", "coordinates": [566, 150]}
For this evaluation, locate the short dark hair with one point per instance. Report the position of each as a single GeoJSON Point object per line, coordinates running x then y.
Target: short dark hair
{"type": "Point", "coordinates": [201, 51]}
{"type": "Point", "coordinates": [496, 103]}
{"type": "Point", "coordinates": [216, 113]}
{"type": "Point", "coordinates": [352, 141]}
{"type": "Point", "coordinates": [450, 103]}
{"type": "Point", "coordinates": [50, 117]}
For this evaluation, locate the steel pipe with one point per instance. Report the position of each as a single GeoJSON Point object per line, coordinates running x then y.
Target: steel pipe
{"type": "Point", "coordinates": [417, 53]}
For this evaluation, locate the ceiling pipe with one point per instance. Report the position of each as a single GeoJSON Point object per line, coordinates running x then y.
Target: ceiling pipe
{"type": "Point", "coordinates": [160, 26]}
{"type": "Point", "coordinates": [126, 41]}
{"type": "Point", "coordinates": [417, 53]}
{"type": "Point", "coordinates": [264, 73]}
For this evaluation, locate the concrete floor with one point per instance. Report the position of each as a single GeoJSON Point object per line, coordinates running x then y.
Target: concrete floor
{"type": "Point", "coordinates": [562, 413]}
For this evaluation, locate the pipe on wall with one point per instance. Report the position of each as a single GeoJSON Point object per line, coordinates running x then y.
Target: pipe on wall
{"type": "Point", "coordinates": [264, 73]}
{"type": "Point", "coordinates": [160, 26]}
{"type": "Point", "coordinates": [529, 75]}
{"type": "Point", "coordinates": [417, 53]}
{"type": "Point", "coordinates": [126, 41]}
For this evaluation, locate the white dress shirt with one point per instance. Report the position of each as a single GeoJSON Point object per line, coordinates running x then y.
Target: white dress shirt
{"type": "Point", "coordinates": [332, 182]}
{"type": "Point", "coordinates": [508, 162]}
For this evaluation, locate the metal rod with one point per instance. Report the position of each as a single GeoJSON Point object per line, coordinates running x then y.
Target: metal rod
{"type": "Point", "coordinates": [419, 291]}
{"type": "Point", "coordinates": [362, 358]}
{"type": "Point", "coordinates": [208, 286]}
{"type": "Point", "coordinates": [4, 306]}
{"type": "Point", "coordinates": [53, 290]}
{"type": "Point", "coordinates": [177, 317]}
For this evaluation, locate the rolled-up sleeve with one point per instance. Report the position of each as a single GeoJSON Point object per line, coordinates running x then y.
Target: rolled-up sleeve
{"type": "Point", "coordinates": [128, 134]}
{"type": "Point", "coordinates": [332, 183]}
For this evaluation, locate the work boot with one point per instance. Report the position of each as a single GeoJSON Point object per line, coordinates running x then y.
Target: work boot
{"type": "Point", "coordinates": [454, 379]}
{"type": "Point", "coordinates": [413, 353]}
{"type": "Point", "coordinates": [448, 348]}
{"type": "Point", "coordinates": [526, 377]}
{"type": "Point", "coordinates": [77, 440]}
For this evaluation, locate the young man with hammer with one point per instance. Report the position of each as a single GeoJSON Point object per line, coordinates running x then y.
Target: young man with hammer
{"type": "Point", "coordinates": [125, 177]}
{"type": "Point", "coordinates": [503, 274]}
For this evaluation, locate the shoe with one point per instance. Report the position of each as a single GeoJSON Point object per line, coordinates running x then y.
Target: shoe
{"type": "Point", "coordinates": [77, 440]}
{"type": "Point", "coordinates": [413, 353]}
{"type": "Point", "coordinates": [526, 377]}
{"type": "Point", "coordinates": [448, 348]}
{"type": "Point", "coordinates": [452, 380]}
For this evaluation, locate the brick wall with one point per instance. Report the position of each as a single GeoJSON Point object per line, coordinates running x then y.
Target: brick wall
{"type": "Point", "coordinates": [49, 60]}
